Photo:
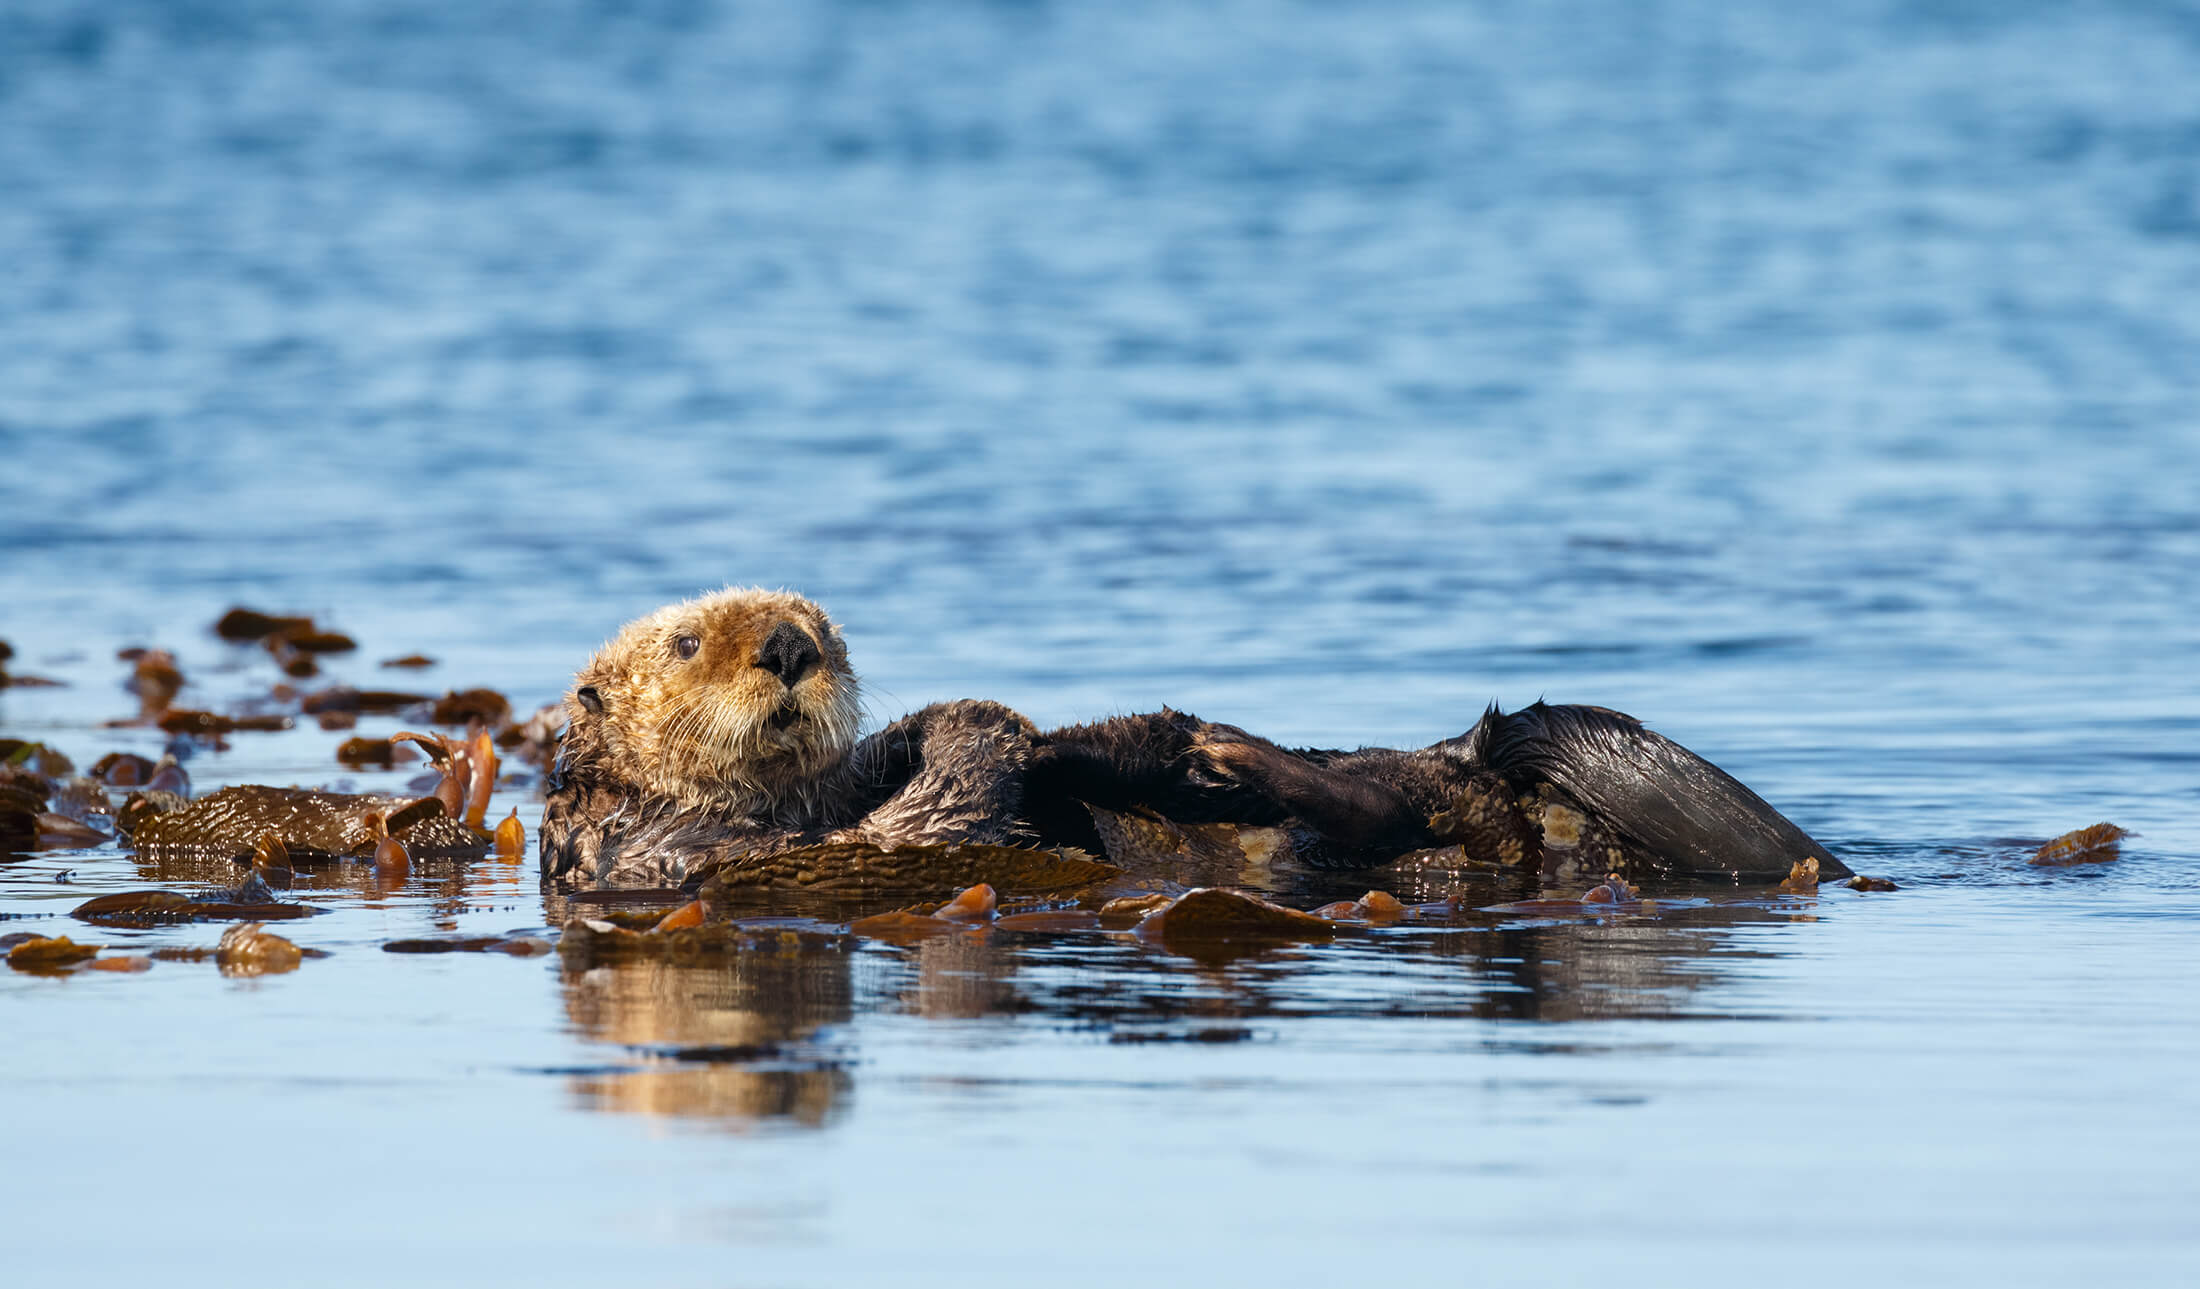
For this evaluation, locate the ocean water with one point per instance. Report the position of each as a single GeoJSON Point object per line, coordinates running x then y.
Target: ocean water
{"type": "Point", "coordinates": [1820, 384]}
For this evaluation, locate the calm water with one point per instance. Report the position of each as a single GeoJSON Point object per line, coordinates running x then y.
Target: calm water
{"type": "Point", "coordinates": [1819, 383]}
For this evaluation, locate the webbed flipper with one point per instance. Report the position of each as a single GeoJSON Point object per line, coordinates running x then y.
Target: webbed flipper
{"type": "Point", "coordinates": [1689, 815]}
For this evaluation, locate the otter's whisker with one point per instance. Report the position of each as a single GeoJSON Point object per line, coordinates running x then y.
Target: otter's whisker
{"type": "Point", "coordinates": [687, 712]}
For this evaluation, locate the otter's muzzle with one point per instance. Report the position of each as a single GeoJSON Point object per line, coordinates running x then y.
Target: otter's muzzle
{"type": "Point", "coordinates": [788, 653]}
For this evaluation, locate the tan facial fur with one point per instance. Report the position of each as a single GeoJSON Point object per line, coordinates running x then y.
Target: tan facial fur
{"type": "Point", "coordinates": [694, 705]}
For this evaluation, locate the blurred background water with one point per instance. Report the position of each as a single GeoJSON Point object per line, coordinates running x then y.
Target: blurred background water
{"type": "Point", "coordinates": [1819, 383]}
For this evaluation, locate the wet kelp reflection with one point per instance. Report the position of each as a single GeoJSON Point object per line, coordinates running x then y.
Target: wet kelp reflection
{"type": "Point", "coordinates": [1662, 967]}
{"type": "Point", "coordinates": [774, 1032]}
{"type": "Point", "coordinates": [735, 1040]}
{"type": "Point", "coordinates": [962, 977]}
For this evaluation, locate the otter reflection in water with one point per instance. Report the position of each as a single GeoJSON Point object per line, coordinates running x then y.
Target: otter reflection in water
{"type": "Point", "coordinates": [733, 1041]}
{"type": "Point", "coordinates": [724, 728]}
{"type": "Point", "coordinates": [774, 1036]}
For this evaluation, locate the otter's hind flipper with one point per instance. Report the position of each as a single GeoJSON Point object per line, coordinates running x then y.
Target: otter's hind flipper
{"type": "Point", "coordinates": [1696, 817]}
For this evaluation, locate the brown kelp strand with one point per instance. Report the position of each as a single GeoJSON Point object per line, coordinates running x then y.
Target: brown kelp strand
{"type": "Point", "coordinates": [18, 827]}
{"type": "Point", "coordinates": [59, 832]}
{"type": "Point", "coordinates": [692, 913]}
{"type": "Point", "coordinates": [1050, 920]}
{"type": "Point", "coordinates": [517, 946]}
{"type": "Point", "coordinates": [310, 639]}
{"type": "Point", "coordinates": [251, 899]}
{"type": "Point", "coordinates": [237, 958]}
{"type": "Point", "coordinates": [481, 771]}
{"type": "Point", "coordinates": [469, 767]}
{"type": "Point", "coordinates": [344, 698]}
{"type": "Point", "coordinates": [465, 706]}
{"type": "Point", "coordinates": [155, 679]}
{"type": "Point", "coordinates": [1128, 909]}
{"type": "Point", "coordinates": [151, 908]}
{"type": "Point", "coordinates": [916, 870]}
{"type": "Point", "coordinates": [589, 941]}
{"type": "Point", "coordinates": [359, 753]}
{"type": "Point", "coordinates": [311, 823]}
{"type": "Point", "coordinates": [295, 643]}
{"type": "Point", "coordinates": [250, 624]}
{"type": "Point", "coordinates": [2095, 845]}
{"type": "Point", "coordinates": [1219, 913]}
{"type": "Point", "coordinates": [969, 909]}
{"type": "Point", "coordinates": [1381, 906]}
{"type": "Point", "coordinates": [46, 954]}
{"type": "Point", "coordinates": [297, 665]}
{"type": "Point", "coordinates": [249, 949]}
{"type": "Point", "coordinates": [181, 720]}
{"type": "Point", "coordinates": [270, 855]}
{"type": "Point", "coordinates": [977, 904]}
{"type": "Point", "coordinates": [907, 928]}
{"type": "Point", "coordinates": [122, 770]}
{"type": "Point", "coordinates": [144, 804]}
{"type": "Point", "coordinates": [1802, 879]}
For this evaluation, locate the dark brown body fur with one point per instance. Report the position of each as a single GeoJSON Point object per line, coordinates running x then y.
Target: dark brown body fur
{"type": "Point", "coordinates": [640, 797]}
{"type": "Point", "coordinates": [949, 773]}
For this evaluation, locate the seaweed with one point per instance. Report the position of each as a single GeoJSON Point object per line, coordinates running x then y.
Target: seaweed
{"type": "Point", "coordinates": [853, 866]}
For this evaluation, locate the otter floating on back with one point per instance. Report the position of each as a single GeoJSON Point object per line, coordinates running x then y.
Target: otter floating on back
{"type": "Point", "coordinates": [724, 727]}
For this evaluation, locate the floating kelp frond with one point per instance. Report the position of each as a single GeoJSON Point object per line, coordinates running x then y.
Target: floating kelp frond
{"type": "Point", "coordinates": [917, 870]}
{"type": "Point", "coordinates": [2095, 845]}
{"type": "Point", "coordinates": [233, 821]}
{"type": "Point", "coordinates": [1216, 913]}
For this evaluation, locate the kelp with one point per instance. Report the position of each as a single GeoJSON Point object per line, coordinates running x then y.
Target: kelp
{"type": "Point", "coordinates": [916, 870]}
{"type": "Point", "coordinates": [511, 837]}
{"type": "Point", "coordinates": [1379, 907]}
{"type": "Point", "coordinates": [1218, 913]}
{"type": "Point", "coordinates": [2098, 844]}
{"type": "Point", "coordinates": [251, 900]}
{"type": "Point", "coordinates": [517, 946]}
{"type": "Point", "coordinates": [50, 954]}
{"type": "Point", "coordinates": [184, 720]}
{"type": "Point", "coordinates": [904, 927]}
{"type": "Point", "coordinates": [248, 949]}
{"type": "Point", "coordinates": [469, 706]}
{"type": "Point", "coordinates": [309, 823]}
{"type": "Point", "coordinates": [587, 941]}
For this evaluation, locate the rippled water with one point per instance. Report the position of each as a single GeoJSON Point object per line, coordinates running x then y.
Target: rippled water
{"type": "Point", "coordinates": [1817, 383]}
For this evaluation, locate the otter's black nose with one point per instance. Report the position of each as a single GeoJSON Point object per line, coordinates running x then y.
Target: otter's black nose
{"type": "Point", "coordinates": [788, 653]}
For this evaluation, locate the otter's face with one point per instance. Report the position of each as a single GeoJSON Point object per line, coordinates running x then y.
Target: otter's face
{"type": "Point", "coordinates": [732, 698]}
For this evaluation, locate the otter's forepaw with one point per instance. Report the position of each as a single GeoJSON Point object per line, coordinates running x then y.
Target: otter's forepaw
{"type": "Point", "coordinates": [1223, 757]}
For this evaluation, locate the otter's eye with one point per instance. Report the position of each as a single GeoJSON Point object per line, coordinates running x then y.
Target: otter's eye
{"type": "Point", "coordinates": [686, 646]}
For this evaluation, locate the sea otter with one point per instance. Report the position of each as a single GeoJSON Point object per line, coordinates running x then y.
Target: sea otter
{"type": "Point", "coordinates": [725, 727]}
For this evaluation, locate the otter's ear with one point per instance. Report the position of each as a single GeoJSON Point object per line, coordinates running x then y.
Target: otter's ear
{"type": "Point", "coordinates": [590, 699]}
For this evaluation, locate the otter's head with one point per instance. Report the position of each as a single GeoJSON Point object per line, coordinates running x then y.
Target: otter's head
{"type": "Point", "coordinates": [736, 698]}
